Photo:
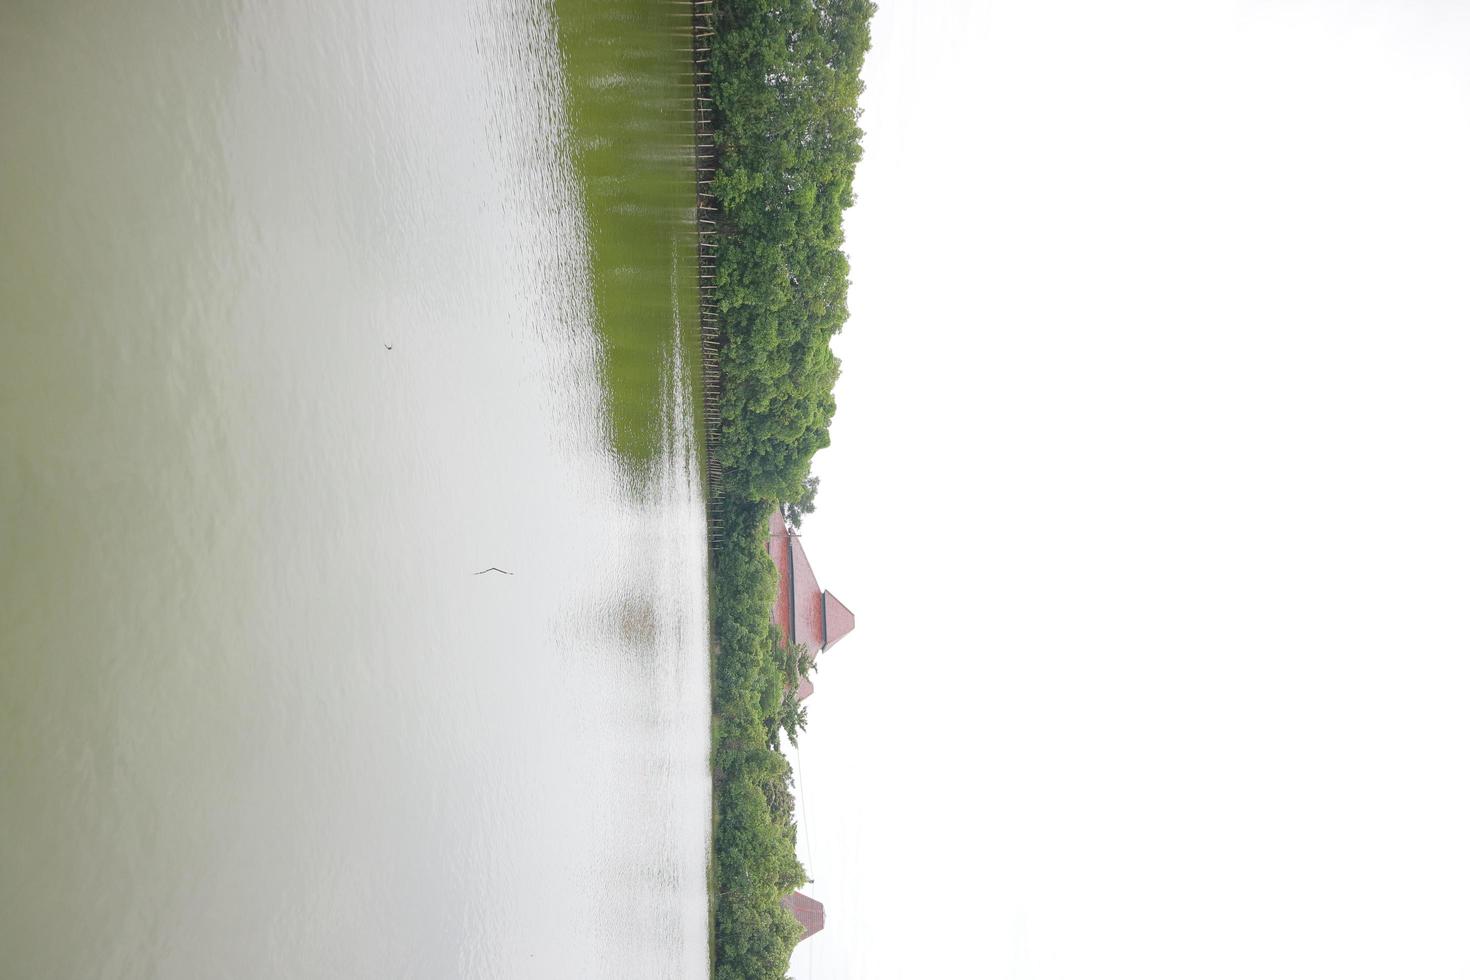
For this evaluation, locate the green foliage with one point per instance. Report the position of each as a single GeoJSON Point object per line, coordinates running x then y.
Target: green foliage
{"type": "Point", "coordinates": [796, 662]}
{"type": "Point", "coordinates": [803, 503]}
{"type": "Point", "coordinates": [755, 828]}
{"type": "Point", "coordinates": [785, 88]}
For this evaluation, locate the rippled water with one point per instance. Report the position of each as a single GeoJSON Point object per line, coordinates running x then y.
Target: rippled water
{"type": "Point", "coordinates": [258, 717]}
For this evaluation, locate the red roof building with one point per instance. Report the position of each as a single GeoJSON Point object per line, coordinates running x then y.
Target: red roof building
{"type": "Point", "coordinates": [808, 912]}
{"type": "Point", "coordinates": [806, 613]}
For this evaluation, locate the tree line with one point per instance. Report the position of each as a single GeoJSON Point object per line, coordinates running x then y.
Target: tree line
{"type": "Point", "coordinates": [784, 86]}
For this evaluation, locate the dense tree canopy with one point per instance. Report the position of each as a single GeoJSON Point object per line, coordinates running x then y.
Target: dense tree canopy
{"type": "Point", "coordinates": [755, 862]}
{"type": "Point", "coordinates": [785, 88]}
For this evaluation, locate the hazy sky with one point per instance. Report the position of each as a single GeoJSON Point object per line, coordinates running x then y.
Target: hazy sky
{"type": "Point", "coordinates": [1150, 488]}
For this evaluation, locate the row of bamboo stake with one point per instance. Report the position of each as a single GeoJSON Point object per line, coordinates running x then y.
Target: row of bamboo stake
{"type": "Point", "coordinates": [711, 334]}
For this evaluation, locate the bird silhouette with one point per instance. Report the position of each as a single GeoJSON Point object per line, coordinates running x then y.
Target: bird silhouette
{"type": "Point", "coordinates": [492, 568]}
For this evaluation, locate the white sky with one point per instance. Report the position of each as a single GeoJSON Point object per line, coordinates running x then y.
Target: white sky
{"type": "Point", "coordinates": [1150, 488]}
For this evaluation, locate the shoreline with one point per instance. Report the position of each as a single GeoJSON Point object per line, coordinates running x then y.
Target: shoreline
{"type": "Point", "coordinates": [776, 146]}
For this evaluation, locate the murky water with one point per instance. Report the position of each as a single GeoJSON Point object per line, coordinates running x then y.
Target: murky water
{"type": "Point", "coordinates": [258, 716]}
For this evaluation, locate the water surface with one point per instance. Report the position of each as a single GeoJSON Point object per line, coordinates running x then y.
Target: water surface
{"type": "Point", "coordinates": [258, 717]}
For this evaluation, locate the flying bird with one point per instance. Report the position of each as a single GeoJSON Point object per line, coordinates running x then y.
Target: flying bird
{"type": "Point", "coordinates": [389, 346]}
{"type": "Point", "coordinates": [492, 568]}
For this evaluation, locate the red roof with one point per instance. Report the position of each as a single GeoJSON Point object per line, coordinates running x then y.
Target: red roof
{"type": "Point", "coordinates": [808, 911]}
{"type": "Point", "coordinates": [776, 547]}
{"type": "Point", "coordinates": [805, 613]}
{"type": "Point", "coordinates": [837, 619]}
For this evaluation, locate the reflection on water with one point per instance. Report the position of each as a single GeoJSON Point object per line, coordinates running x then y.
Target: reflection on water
{"type": "Point", "coordinates": [258, 717]}
{"type": "Point", "coordinates": [631, 125]}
